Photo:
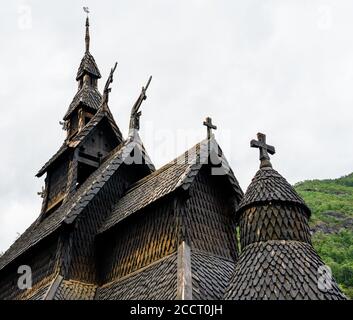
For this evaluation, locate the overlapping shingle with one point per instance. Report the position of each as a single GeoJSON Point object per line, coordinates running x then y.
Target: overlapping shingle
{"type": "Point", "coordinates": [268, 185]}
{"type": "Point", "coordinates": [210, 275]}
{"type": "Point", "coordinates": [281, 270]}
{"type": "Point", "coordinates": [155, 282]}
{"type": "Point", "coordinates": [273, 222]}
{"type": "Point", "coordinates": [178, 173]}
{"type": "Point", "coordinates": [88, 64]}
{"type": "Point", "coordinates": [71, 209]}
{"type": "Point", "coordinates": [75, 290]}
{"type": "Point", "coordinates": [87, 96]}
{"type": "Point", "coordinates": [277, 261]}
{"type": "Point", "coordinates": [82, 135]}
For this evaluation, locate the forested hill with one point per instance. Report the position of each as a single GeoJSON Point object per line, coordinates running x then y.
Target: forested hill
{"type": "Point", "coordinates": [331, 202]}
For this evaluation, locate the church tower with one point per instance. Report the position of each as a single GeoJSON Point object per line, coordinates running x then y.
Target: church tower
{"type": "Point", "coordinates": [91, 134]}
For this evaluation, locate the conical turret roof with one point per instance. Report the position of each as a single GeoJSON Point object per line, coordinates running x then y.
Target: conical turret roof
{"type": "Point", "coordinates": [269, 186]}
{"type": "Point", "coordinates": [277, 259]}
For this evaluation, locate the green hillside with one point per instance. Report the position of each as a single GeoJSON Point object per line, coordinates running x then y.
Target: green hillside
{"type": "Point", "coordinates": [331, 202]}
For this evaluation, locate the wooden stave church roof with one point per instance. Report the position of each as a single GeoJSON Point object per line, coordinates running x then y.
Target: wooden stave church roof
{"type": "Point", "coordinates": [279, 270]}
{"type": "Point", "coordinates": [269, 186]}
{"type": "Point", "coordinates": [87, 96]}
{"type": "Point", "coordinates": [179, 173]}
{"type": "Point", "coordinates": [280, 266]}
{"type": "Point", "coordinates": [71, 209]}
{"type": "Point", "coordinates": [82, 135]}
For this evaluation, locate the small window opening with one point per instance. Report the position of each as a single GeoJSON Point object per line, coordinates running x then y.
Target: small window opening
{"type": "Point", "coordinates": [87, 119]}
{"type": "Point", "coordinates": [83, 172]}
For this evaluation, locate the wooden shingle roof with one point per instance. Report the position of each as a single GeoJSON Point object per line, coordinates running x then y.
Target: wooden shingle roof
{"type": "Point", "coordinates": [179, 173]}
{"type": "Point", "coordinates": [87, 96]}
{"type": "Point", "coordinates": [82, 135]}
{"type": "Point", "coordinates": [68, 212]}
{"type": "Point", "coordinates": [269, 186]}
{"type": "Point", "coordinates": [88, 64]}
{"type": "Point", "coordinates": [155, 282]}
{"type": "Point", "coordinates": [280, 270]}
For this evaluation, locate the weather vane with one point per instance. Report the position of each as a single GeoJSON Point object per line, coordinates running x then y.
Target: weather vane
{"type": "Point", "coordinates": [86, 9]}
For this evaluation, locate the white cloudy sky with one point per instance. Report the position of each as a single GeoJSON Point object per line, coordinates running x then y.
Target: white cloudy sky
{"type": "Point", "coordinates": [280, 67]}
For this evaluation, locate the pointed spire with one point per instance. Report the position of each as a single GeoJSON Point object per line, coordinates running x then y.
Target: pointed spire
{"type": "Point", "coordinates": [88, 64]}
{"type": "Point", "coordinates": [87, 38]}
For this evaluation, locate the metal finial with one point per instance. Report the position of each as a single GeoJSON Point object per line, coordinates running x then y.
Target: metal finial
{"type": "Point", "coordinates": [208, 123]}
{"type": "Point", "coordinates": [264, 148]}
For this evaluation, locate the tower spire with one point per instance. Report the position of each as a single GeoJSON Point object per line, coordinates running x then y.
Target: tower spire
{"type": "Point", "coordinates": [87, 37]}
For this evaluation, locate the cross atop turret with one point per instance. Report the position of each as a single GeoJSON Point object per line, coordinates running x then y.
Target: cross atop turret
{"type": "Point", "coordinates": [265, 149]}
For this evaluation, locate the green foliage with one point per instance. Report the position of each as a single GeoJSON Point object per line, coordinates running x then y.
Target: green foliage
{"type": "Point", "coordinates": [325, 197]}
{"type": "Point", "coordinates": [328, 195]}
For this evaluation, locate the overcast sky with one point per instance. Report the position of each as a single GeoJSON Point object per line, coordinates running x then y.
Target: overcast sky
{"type": "Point", "coordinates": [284, 68]}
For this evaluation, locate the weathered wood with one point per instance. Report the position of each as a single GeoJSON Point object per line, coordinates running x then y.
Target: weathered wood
{"type": "Point", "coordinates": [184, 291]}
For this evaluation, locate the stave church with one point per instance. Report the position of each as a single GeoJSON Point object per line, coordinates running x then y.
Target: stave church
{"type": "Point", "coordinates": [113, 227]}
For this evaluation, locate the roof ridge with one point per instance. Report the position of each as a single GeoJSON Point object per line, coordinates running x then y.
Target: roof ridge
{"type": "Point", "coordinates": [66, 213]}
{"type": "Point", "coordinates": [80, 137]}
{"type": "Point", "coordinates": [174, 174]}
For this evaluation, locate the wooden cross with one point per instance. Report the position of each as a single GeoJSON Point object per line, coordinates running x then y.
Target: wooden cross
{"type": "Point", "coordinates": [210, 126]}
{"type": "Point", "coordinates": [265, 149]}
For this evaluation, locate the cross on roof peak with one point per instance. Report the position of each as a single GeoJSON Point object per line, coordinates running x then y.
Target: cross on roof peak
{"type": "Point", "coordinates": [208, 123]}
{"type": "Point", "coordinates": [265, 149]}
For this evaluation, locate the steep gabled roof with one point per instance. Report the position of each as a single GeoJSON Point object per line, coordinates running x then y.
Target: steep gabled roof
{"type": "Point", "coordinates": [56, 156]}
{"type": "Point", "coordinates": [96, 119]}
{"type": "Point", "coordinates": [68, 212]}
{"type": "Point", "coordinates": [179, 173]}
{"type": "Point", "coordinates": [88, 96]}
{"type": "Point", "coordinates": [88, 64]}
{"type": "Point", "coordinates": [82, 135]}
